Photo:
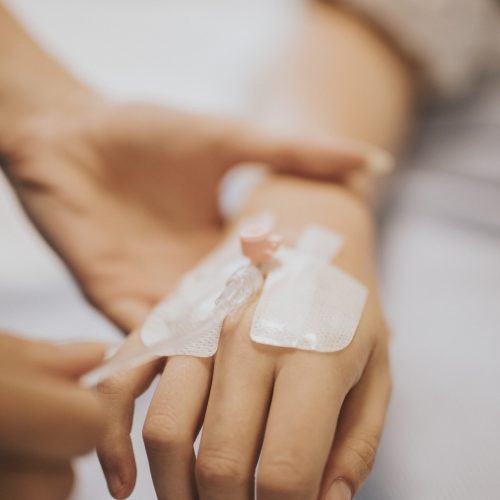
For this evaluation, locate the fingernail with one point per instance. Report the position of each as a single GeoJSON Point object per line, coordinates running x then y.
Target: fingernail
{"type": "Point", "coordinates": [339, 490]}
{"type": "Point", "coordinates": [115, 484]}
{"type": "Point", "coordinates": [379, 162]}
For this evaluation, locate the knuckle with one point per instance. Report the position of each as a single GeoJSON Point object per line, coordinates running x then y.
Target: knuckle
{"type": "Point", "coordinates": [164, 433]}
{"type": "Point", "coordinates": [115, 388]}
{"type": "Point", "coordinates": [363, 449]}
{"type": "Point", "coordinates": [218, 468]}
{"type": "Point", "coordinates": [286, 477]}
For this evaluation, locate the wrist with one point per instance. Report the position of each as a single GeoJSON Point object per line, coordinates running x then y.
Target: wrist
{"type": "Point", "coordinates": [298, 202]}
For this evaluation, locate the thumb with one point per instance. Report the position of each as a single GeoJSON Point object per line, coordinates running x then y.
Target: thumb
{"type": "Point", "coordinates": [329, 158]}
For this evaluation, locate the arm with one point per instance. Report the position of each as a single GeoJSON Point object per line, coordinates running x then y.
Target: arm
{"type": "Point", "coordinates": [114, 227]}
{"type": "Point", "coordinates": [314, 420]}
{"type": "Point", "coordinates": [341, 76]}
{"type": "Point", "coordinates": [126, 233]}
{"type": "Point", "coordinates": [31, 81]}
{"type": "Point", "coordinates": [338, 75]}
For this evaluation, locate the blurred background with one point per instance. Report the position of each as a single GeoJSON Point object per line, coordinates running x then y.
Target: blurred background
{"type": "Point", "coordinates": [439, 245]}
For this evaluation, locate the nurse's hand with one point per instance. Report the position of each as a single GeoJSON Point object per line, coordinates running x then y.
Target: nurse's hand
{"type": "Point", "coordinates": [127, 195]}
{"type": "Point", "coordinates": [46, 419]}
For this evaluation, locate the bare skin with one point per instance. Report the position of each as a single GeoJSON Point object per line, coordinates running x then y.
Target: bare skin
{"type": "Point", "coordinates": [44, 425]}
{"type": "Point", "coordinates": [315, 420]}
{"type": "Point", "coordinates": [254, 391]}
{"type": "Point", "coordinates": [126, 194]}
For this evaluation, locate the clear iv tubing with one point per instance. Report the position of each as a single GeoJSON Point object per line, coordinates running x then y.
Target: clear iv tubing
{"type": "Point", "coordinates": [243, 284]}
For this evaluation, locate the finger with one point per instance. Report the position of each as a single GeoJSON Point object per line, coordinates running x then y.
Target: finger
{"type": "Point", "coordinates": [359, 430]}
{"type": "Point", "coordinates": [126, 313]}
{"type": "Point", "coordinates": [40, 481]}
{"type": "Point", "coordinates": [66, 360]}
{"type": "Point", "coordinates": [236, 414]}
{"type": "Point", "coordinates": [118, 394]}
{"type": "Point", "coordinates": [308, 394]}
{"type": "Point", "coordinates": [172, 424]}
{"type": "Point", "coordinates": [330, 158]}
{"type": "Point", "coordinates": [46, 417]}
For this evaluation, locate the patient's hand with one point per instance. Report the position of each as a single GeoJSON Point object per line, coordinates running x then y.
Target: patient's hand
{"type": "Point", "coordinates": [46, 418]}
{"type": "Point", "coordinates": [127, 194]}
{"type": "Point", "coordinates": [313, 418]}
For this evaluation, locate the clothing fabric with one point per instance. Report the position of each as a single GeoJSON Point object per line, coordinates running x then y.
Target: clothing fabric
{"type": "Point", "coordinates": [454, 41]}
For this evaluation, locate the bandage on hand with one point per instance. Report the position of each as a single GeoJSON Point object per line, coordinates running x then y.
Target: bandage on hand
{"type": "Point", "coordinates": [306, 302]}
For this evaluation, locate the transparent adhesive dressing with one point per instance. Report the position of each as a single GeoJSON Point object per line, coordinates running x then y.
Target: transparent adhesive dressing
{"type": "Point", "coordinates": [307, 302]}
{"type": "Point", "coordinates": [242, 285]}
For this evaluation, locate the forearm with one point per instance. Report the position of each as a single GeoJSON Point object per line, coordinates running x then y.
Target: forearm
{"type": "Point", "coordinates": [31, 81]}
{"type": "Point", "coordinates": [338, 75]}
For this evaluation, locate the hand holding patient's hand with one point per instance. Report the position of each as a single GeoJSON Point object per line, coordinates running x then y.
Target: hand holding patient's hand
{"type": "Point", "coordinates": [127, 194]}
{"type": "Point", "coordinates": [46, 419]}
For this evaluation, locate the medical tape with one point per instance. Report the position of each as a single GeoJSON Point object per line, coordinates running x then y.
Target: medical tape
{"type": "Point", "coordinates": [306, 302]}
{"type": "Point", "coordinates": [194, 298]}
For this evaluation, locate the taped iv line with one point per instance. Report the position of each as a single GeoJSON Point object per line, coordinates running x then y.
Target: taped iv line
{"type": "Point", "coordinates": [242, 285]}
